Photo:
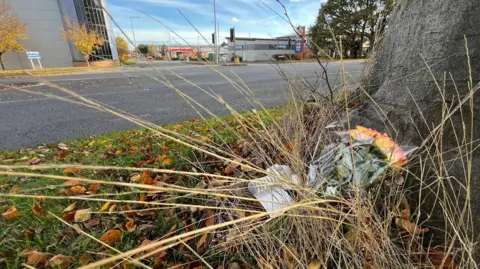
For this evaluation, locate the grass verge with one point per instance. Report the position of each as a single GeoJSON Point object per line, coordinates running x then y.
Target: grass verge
{"type": "Point", "coordinates": [53, 71]}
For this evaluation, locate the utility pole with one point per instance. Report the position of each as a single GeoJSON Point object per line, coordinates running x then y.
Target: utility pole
{"type": "Point", "coordinates": [216, 34]}
{"type": "Point", "coordinates": [134, 40]}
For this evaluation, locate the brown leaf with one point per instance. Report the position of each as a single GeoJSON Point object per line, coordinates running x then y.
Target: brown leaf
{"type": "Point", "coordinates": [70, 207]}
{"type": "Point", "coordinates": [201, 244]}
{"type": "Point", "coordinates": [37, 259]}
{"type": "Point", "coordinates": [28, 234]}
{"type": "Point", "coordinates": [93, 222]}
{"type": "Point", "coordinates": [84, 259]}
{"type": "Point", "coordinates": [38, 211]}
{"type": "Point", "coordinates": [439, 257]}
{"type": "Point", "coordinates": [78, 190]}
{"type": "Point", "coordinates": [60, 261]}
{"type": "Point", "coordinates": [15, 189]}
{"type": "Point", "coordinates": [410, 227]}
{"type": "Point", "coordinates": [25, 252]}
{"type": "Point", "coordinates": [83, 215]}
{"type": "Point", "coordinates": [72, 170]}
{"type": "Point", "coordinates": [209, 218]}
{"type": "Point", "coordinates": [11, 213]}
{"type": "Point", "coordinates": [68, 217]}
{"type": "Point", "coordinates": [228, 170]}
{"type": "Point", "coordinates": [135, 178]}
{"type": "Point", "coordinates": [94, 187]}
{"type": "Point", "coordinates": [62, 146]}
{"type": "Point", "coordinates": [62, 154]}
{"type": "Point", "coordinates": [36, 161]}
{"type": "Point", "coordinates": [112, 237]}
{"type": "Point", "coordinates": [130, 226]}
{"type": "Point", "coordinates": [128, 214]}
{"type": "Point", "coordinates": [146, 178]}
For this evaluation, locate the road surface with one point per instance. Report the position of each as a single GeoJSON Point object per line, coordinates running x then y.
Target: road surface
{"type": "Point", "coordinates": [28, 120]}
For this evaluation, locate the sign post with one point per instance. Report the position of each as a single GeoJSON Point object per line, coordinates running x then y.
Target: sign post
{"type": "Point", "coordinates": [34, 55]}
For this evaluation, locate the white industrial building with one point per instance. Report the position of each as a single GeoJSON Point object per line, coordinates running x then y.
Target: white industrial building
{"type": "Point", "coordinates": [260, 49]}
{"type": "Point", "coordinates": [45, 22]}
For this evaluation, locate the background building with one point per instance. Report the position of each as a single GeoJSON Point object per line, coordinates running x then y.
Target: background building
{"type": "Point", "coordinates": [260, 49]}
{"type": "Point", "coordinates": [45, 22]}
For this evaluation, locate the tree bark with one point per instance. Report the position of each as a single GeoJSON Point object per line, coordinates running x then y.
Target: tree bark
{"type": "Point", "coordinates": [1, 60]}
{"type": "Point", "coordinates": [425, 39]}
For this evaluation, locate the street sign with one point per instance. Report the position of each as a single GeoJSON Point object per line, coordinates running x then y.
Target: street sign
{"type": "Point", "coordinates": [33, 55]}
{"type": "Point", "coordinates": [298, 45]}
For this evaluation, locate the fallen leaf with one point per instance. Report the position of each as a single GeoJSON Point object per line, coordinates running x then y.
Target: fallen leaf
{"type": "Point", "coordinates": [118, 152]}
{"type": "Point", "coordinates": [83, 215]}
{"type": "Point", "coordinates": [94, 187]}
{"type": "Point", "coordinates": [228, 170]}
{"type": "Point", "coordinates": [146, 178]}
{"type": "Point", "coordinates": [112, 237]}
{"type": "Point", "coordinates": [62, 154]}
{"type": "Point", "coordinates": [128, 214]}
{"type": "Point", "coordinates": [11, 213]}
{"type": "Point", "coordinates": [72, 170]}
{"type": "Point", "coordinates": [28, 234]}
{"type": "Point", "coordinates": [165, 149]}
{"type": "Point", "coordinates": [36, 161]}
{"type": "Point", "coordinates": [84, 259]}
{"type": "Point", "coordinates": [70, 207]}
{"type": "Point", "coordinates": [37, 210]}
{"type": "Point", "coordinates": [135, 178]}
{"type": "Point", "coordinates": [176, 127]}
{"type": "Point", "coordinates": [15, 189]}
{"type": "Point", "coordinates": [68, 217]}
{"type": "Point", "coordinates": [112, 209]}
{"type": "Point", "coordinates": [93, 222]}
{"type": "Point", "coordinates": [91, 144]}
{"type": "Point", "coordinates": [438, 257]}
{"type": "Point", "coordinates": [60, 261]}
{"type": "Point", "coordinates": [37, 259]}
{"type": "Point", "coordinates": [105, 207]}
{"type": "Point", "coordinates": [78, 190]}
{"type": "Point", "coordinates": [62, 146]}
{"type": "Point", "coordinates": [72, 182]}
{"type": "Point", "coordinates": [167, 161]}
{"type": "Point", "coordinates": [410, 227]}
{"type": "Point", "coordinates": [130, 226]}
{"type": "Point", "coordinates": [209, 218]}
{"type": "Point", "coordinates": [106, 142]}
{"type": "Point", "coordinates": [289, 256]}
{"type": "Point", "coordinates": [26, 251]}
{"type": "Point", "coordinates": [315, 264]}
{"type": "Point", "coordinates": [201, 244]}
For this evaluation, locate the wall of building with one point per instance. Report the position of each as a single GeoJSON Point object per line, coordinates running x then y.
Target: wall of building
{"type": "Point", "coordinates": [44, 23]}
{"type": "Point", "coordinates": [252, 49]}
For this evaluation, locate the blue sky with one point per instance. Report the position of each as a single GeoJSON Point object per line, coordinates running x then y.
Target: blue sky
{"type": "Point", "coordinates": [249, 17]}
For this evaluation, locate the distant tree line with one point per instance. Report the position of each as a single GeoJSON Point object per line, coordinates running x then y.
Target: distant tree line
{"type": "Point", "coordinates": [356, 22]}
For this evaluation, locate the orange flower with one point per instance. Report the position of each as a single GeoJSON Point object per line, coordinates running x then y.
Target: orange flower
{"type": "Point", "coordinates": [395, 155]}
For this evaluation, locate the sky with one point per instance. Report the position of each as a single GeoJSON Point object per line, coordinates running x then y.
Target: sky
{"type": "Point", "coordinates": [249, 17]}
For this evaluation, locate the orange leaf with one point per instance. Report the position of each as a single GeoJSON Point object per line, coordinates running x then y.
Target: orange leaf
{"type": "Point", "coordinates": [94, 187]}
{"type": "Point", "coordinates": [165, 149]}
{"type": "Point", "coordinates": [84, 259]}
{"type": "Point", "coordinates": [37, 259]}
{"type": "Point", "coordinates": [146, 178]}
{"type": "Point", "coordinates": [288, 145]}
{"type": "Point", "coordinates": [60, 261]}
{"type": "Point", "coordinates": [410, 227]}
{"type": "Point", "coordinates": [37, 210]}
{"type": "Point", "coordinates": [68, 217]}
{"type": "Point", "coordinates": [70, 207]}
{"type": "Point", "coordinates": [128, 214]}
{"type": "Point", "coordinates": [26, 252]}
{"type": "Point", "coordinates": [72, 170]}
{"type": "Point", "coordinates": [112, 237]}
{"type": "Point", "coordinates": [167, 161]}
{"type": "Point", "coordinates": [228, 170]}
{"type": "Point", "coordinates": [11, 213]}
{"type": "Point", "coordinates": [28, 233]}
{"type": "Point", "coordinates": [439, 257]}
{"type": "Point", "coordinates": [177, 127]}
{"type": "Point", "coordinates": [73, 182]}
{"type": "Point", "coordinates": [78, 190]}
{"type": "Point", "coordinates": [130, 226]}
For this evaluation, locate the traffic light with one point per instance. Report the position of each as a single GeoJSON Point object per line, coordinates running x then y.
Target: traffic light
{"type": "Point", "coordinates": [232, 34]}
{"type": "Point", "coordinates": [213, 38]}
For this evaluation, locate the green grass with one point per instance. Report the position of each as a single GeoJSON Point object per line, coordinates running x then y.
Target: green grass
{"type": "Point", "coordinates": [131, 148]}
{"type": "Point", "coordinates": [129, 62]}
{"type": "Point", "coordinates": [52, 71]}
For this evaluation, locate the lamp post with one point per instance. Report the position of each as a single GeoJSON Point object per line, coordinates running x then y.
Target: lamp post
{"type": "Point", "coordinates": [216, 34]}
{"type": "Point", "coordinates": [134, 40]}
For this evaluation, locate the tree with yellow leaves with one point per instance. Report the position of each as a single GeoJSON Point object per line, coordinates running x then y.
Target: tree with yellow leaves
{"type": "Point", "coordinates": [11, 30]}
{"type": "Point", "coordinates": [122, 48]}
{"type": "Point", "coordinates": [85, 41]}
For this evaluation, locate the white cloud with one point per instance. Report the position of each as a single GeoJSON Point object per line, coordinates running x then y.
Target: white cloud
{"type": "Point", "coordinates": [296, 1]}
{"type": "Point", "coordinates": [234, 20]}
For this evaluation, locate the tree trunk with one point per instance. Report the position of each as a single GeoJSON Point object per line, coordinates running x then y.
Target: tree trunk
{"type": "Point", "coordinates": [1, 60]}
{"type": "Point", "coordinates": [431, 33]}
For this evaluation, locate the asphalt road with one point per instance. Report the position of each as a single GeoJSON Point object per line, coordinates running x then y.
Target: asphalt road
{"type": "Point", "coordinates": [27, 120]}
